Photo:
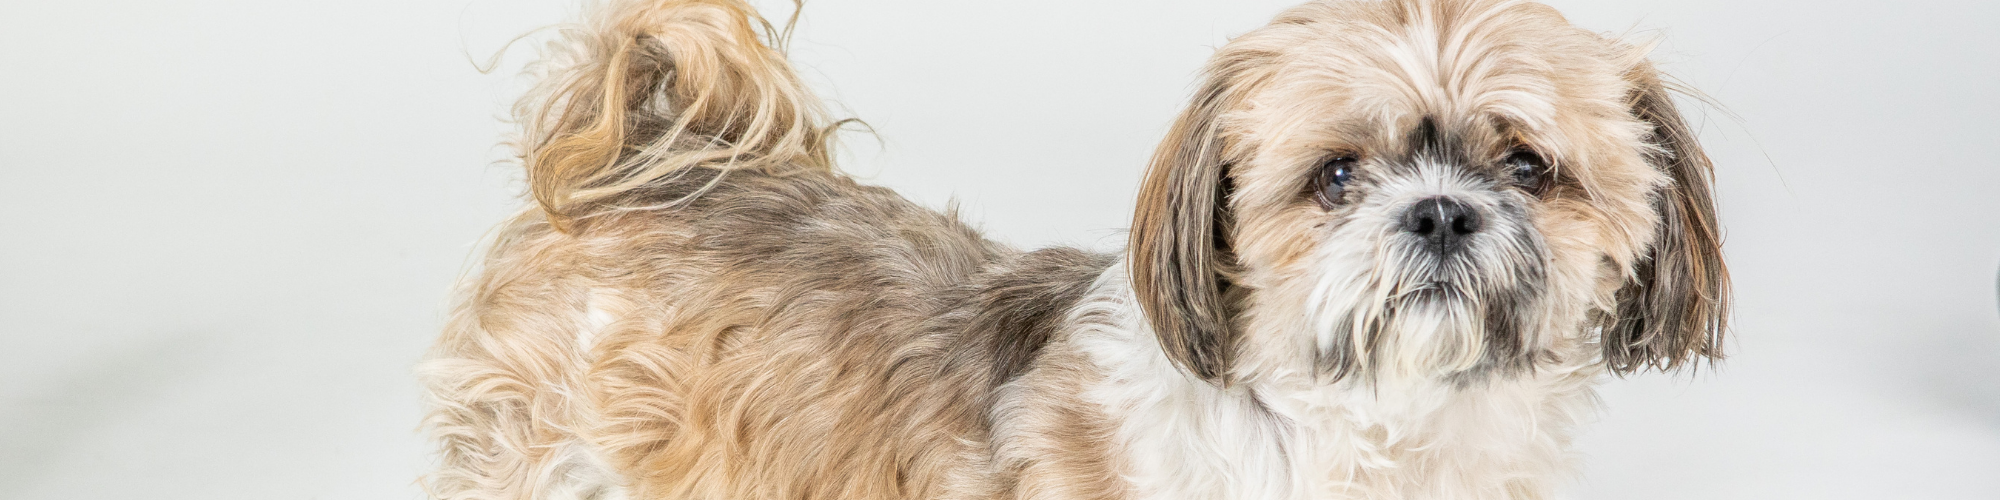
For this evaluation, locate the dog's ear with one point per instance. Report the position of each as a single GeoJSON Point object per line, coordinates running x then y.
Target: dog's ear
{"type": "Point", "coordinates": [1674, 308]}
{"type": "Point", "coordinates": [1179, 251]}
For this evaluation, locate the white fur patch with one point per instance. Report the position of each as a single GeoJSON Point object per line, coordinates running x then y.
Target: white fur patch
{"type": "Point", "coordinates": [604, 307]}
{"type": "Point", "coordinates": [579, 475]}
{"type": "Point", "coordinates": [1293, 437]}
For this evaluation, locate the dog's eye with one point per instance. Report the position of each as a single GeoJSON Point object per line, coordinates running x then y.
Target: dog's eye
{"type": "Point", "coordinates": [1530, 170]}
{"type": "Point", "coordinates": [1332, 179]}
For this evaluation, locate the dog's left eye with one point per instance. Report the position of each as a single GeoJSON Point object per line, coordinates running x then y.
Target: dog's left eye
{"type": "Point", "coordinates": [1530, 170]}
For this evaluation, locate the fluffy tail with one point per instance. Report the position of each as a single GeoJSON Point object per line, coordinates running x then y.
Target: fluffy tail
{"type": "Point", "coordinates": [644, 90]}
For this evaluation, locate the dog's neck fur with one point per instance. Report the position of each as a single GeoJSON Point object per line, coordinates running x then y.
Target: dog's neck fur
{"type": "Point", "coordinates": [1180, 437]}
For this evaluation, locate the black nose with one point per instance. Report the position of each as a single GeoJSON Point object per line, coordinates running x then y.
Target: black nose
{"type": "Point", "coordinates": [1443, 223]}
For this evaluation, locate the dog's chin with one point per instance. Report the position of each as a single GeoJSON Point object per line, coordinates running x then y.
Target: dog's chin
{"type": "Point", "coordinates": [1427, 329]}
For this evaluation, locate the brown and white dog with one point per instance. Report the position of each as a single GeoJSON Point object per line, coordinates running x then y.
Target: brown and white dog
{"type": "Point", "coordinates": [1384, 253]}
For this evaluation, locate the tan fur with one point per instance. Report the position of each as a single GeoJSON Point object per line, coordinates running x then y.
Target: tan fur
{"type": "Point", "coordinates": [699, 306]}
{"type": "Point", "coordinates": [649, 89]}
{"type": "Point", "coordinates": [714, 380]}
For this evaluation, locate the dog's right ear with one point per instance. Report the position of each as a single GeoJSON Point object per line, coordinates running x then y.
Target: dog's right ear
{"type": "Point", "coordinates": [1179, 249]}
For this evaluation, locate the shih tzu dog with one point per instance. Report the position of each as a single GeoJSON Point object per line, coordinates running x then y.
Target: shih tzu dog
{"type": "Point", "coordinates": [1384, 253]}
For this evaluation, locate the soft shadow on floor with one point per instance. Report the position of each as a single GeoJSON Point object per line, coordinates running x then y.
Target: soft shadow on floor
{"type": "Point", "coordinates": [1955, 367]}
{"type": "Point", "coordinates": [66, 408]}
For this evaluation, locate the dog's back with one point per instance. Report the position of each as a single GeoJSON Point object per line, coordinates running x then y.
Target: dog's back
{"type": "Point", "coordinates": [700, 307]}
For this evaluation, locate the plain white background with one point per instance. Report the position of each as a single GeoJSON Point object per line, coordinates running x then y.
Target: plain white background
{"type": "Point", "coordinates": [228, 228]}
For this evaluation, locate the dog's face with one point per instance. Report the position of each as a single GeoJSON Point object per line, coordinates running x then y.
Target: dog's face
{"type": "Point", "coordinates": [1427, 189]}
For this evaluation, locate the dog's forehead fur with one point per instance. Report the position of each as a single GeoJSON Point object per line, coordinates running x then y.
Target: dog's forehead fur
{"type": "Point", "coordinates": [1360, 75]}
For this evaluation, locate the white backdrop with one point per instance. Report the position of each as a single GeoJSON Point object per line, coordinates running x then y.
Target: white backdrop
{"type": "Point", "coordinates": [228, 228]}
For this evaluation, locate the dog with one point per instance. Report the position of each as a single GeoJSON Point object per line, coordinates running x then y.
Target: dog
{"type": "Point", "coordinates": [1384, 253]}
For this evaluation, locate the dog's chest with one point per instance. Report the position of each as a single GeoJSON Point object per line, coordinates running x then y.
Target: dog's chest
{"type": "Point", "coordinates": [1180, 438]}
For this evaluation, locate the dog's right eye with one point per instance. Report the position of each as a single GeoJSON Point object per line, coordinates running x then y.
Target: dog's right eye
{"type": "Point", "coordinates": [1332, 179]}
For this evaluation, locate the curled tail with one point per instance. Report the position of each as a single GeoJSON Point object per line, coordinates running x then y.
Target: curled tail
{"type": "Point", "coordinates": [643, 90]}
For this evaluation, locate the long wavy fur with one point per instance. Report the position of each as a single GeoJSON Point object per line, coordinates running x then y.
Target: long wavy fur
{"type": "Point", "coordinates": [648, 89]}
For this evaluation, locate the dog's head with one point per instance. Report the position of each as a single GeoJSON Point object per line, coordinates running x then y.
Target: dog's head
{"type": "Point", "coordinates": [1428, 188]}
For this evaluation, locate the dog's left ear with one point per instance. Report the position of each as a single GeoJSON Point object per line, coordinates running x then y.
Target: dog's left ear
{"type": "Point", "coordinates": [1673, 309]}
{"type": "Point", "coordinates": [1179, 247]}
